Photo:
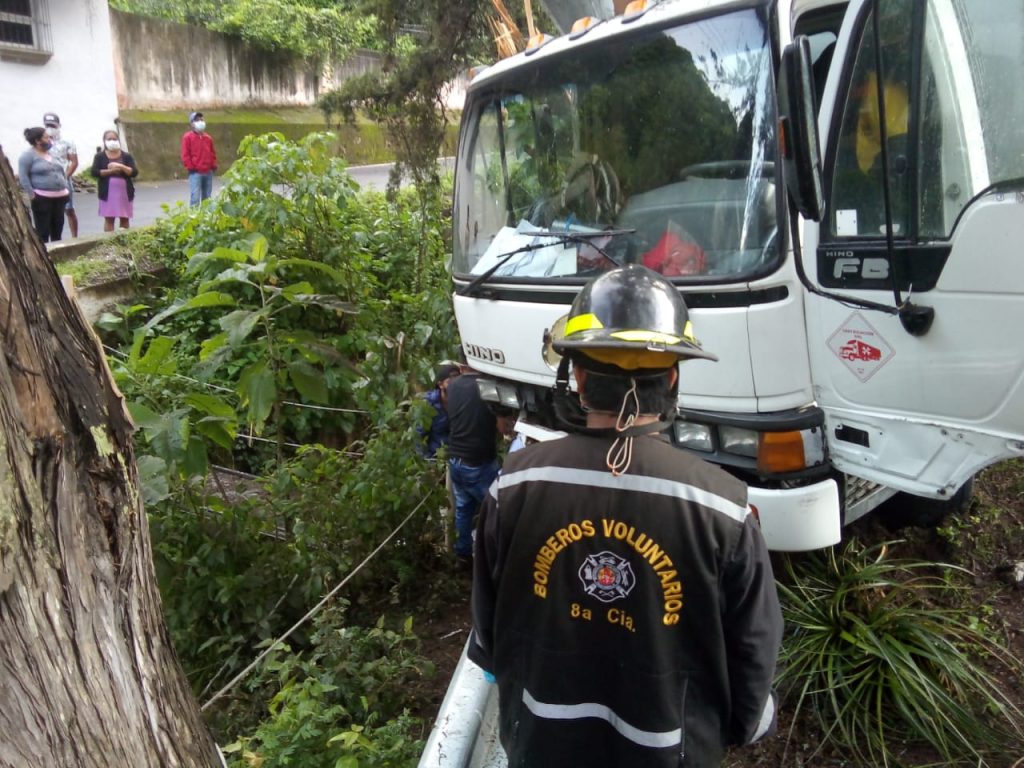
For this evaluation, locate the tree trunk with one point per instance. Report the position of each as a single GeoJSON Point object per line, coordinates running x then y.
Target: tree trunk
{"type": "Point", "coordinates": [88, 676]}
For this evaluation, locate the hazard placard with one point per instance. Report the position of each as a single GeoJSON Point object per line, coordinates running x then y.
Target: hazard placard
{"type": "Point", "coordinates": [861, 348]}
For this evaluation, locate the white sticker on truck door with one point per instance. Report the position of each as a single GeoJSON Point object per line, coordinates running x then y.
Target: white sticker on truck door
{"type": "Point", "coordinates": [861, 348]}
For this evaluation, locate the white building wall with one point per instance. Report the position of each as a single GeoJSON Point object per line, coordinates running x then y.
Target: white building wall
{"type": "Point", "coordinates": [76, 82]}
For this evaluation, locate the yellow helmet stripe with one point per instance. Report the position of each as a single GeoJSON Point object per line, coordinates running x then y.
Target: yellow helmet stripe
{"type": "Point", "coordinates": [590, 322]}
{"type": "Point", "coordinates": [651, 337]}
{"type": "Point", "coordinates": [587, 322]}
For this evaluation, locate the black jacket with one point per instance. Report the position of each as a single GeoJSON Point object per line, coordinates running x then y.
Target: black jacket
{"type": "Point", "coordinates": [100, 163]}
{"type": "Point", "coordinates": [630, 621]}
{"type": "Point", "coordinates": [472, 427]}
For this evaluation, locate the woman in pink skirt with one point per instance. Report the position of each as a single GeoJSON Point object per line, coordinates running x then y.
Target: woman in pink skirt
{"type": "Point", "coordinates": [114, 171]}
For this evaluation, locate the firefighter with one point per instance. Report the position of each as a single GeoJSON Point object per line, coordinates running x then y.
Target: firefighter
{"type": "Point", "coordinates": [623, 596]}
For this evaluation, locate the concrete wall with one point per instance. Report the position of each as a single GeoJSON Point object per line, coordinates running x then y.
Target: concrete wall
{"type": "Point", "coordinates": [76, 81]}
{"type": "Point", "coordinates": [162, 65]}
{"type": "Point", "coordinates": [155, 145]}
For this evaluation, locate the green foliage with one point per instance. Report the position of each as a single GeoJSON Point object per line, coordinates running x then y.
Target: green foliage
{"type": "Point", "coordinates": [181, 11]}
{"type": "Point", "coordinates": [879, 663]}
{"type": "Point", "coordinates": [263, 318]}
{"type": "Point", "coordinates": [343, 704]}
{"type": "Point", "coordinates": [259, 323]}
{"type": "Point", "coordinates": [239, 562]}
{"type": "Point", "coordinates": [228, 577]}
{"type": "Point", "coordinates": [307, 28]}
{"type": "Point", "coordinates": [300, 28]}
{"type": "Point", "coordinates": [346, 502]}
{"type": "Point", "coordinates": [263, 334]}
{"type": "Point", "coordinates": [407, 98]}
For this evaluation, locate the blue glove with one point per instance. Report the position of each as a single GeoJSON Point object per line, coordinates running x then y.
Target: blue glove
{"type": "Point", "coordinates": [489, 677]}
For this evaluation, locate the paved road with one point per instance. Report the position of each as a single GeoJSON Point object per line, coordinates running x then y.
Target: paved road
{"type": "Point", "coordinates": [151, 196]}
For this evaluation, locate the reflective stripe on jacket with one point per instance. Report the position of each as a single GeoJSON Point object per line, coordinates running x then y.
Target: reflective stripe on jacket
{"type": "Point", "coordinates": [630, 621]}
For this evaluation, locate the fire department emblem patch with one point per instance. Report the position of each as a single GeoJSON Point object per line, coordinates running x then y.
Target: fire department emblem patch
{"type": "Point", "coordinates": [607, 576]}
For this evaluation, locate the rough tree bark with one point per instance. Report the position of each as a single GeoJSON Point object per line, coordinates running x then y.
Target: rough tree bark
{"type": "Point", "coordinates": [88, 676]}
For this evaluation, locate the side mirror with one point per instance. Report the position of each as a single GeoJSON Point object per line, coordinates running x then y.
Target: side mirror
{"type": "Point", "coordinates": [798, 130]}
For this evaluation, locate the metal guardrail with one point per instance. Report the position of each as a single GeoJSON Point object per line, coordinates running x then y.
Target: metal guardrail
{"type": "Point", "coordinates": [465, 734]}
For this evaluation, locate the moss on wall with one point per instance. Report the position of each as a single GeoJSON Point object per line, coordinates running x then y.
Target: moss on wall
{"type": "Point", "coordinates": [154, 138]}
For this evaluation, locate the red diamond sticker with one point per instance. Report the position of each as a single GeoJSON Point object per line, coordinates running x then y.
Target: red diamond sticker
{"type": "Point", "coordinates": [861, 348]}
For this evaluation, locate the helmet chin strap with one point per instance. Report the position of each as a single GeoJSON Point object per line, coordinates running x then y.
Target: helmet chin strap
{"type": "Point", "coordinates": [620, 454]}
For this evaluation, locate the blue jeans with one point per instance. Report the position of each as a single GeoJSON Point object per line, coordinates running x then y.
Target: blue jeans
{"type": "Point", "coordinates": [470, 485]}
{"type": "Point", "coordinates": [200, 186]}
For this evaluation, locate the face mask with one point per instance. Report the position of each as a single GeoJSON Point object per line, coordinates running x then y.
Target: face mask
{"type": "Point", "coordinates": [53, 133]}
{"type": "Point", "coordinates": [113, 144]}
{"type": "Point", "coordinates": [199, 125]}
{"type": "Point", "coordinates": [45, 145]}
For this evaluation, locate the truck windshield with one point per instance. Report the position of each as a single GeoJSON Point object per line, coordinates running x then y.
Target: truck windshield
{"type": "Point", "coordinates": [668, 133]}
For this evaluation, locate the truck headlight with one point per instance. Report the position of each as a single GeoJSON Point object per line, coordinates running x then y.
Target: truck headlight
{"type": "Point", "coordinates": [694, 436]}
{"type": "Point", "coordinates": [508, 396]}
{"type": "Point", "coordinates": [500, 392]}
{"type": "Point", "coordinates": [488, 389]}
{"type": "Point", "coordinates": [742, 442]}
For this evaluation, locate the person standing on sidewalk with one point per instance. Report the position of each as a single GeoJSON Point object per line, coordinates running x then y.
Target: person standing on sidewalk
{"type": "Point", "coordinates": [42, 178]}
{"type": "Point", "coordinates": [114, 171]}
{"type": "Point", "coordinates": [199, 158]}
{"type": "Point", "coordinates": [66, 153]}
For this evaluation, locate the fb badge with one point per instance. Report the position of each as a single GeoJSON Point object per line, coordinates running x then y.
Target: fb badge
{"type": "Point", "coordinates": [607, 576]}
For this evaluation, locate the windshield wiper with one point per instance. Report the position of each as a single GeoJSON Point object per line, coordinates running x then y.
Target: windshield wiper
{"type": "Point", "coordinates": [559, 238]}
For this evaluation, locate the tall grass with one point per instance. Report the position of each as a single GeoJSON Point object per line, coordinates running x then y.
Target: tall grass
{"type": "Point", "coordinates": [882, 653]}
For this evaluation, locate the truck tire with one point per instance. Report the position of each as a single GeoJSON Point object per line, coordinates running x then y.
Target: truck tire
{"type": "Point", "coordinates": [906, 510]}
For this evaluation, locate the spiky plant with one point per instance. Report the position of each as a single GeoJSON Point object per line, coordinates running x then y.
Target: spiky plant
{"type": "Point", "coordinates": [879, 652]}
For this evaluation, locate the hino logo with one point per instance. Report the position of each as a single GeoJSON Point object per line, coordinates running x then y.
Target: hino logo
{"type": "Point", "coordinates": [865, 267]}
{"type": "Point", "coordinates": [483, 353]}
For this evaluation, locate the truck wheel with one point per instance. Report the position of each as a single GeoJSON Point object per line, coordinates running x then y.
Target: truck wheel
{"type": "Point", "coordinates": [906, 510]}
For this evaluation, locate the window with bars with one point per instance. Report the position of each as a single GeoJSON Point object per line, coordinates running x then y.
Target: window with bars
{"type": "Point", "coordinates": [25, 27]}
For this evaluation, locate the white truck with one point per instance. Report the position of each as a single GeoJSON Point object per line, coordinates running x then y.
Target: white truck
{"type": "Point", "coordinates": [864, 299]}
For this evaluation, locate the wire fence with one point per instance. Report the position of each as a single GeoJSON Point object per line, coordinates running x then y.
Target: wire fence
{"type": "Point", "coordinates": [251, 438]}
{"type": "Point", "coordinates": [314, 610]}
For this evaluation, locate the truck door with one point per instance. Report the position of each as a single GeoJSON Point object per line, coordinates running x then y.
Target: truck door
{"type": "Point", "coordinates": [922, 413]}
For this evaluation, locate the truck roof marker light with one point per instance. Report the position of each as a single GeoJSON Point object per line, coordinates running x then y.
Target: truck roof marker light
{"type": "Point", "coordinates": [581, 26]}
{"type": "Point", "coordinates": [780, 452]}
{"type": "Point", "coordinates": [636, 9]}
{"type": "Point", "coordinates": [537, 42]}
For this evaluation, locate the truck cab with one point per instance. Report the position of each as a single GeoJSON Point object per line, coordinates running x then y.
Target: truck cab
{"type": "Point", "coordinates": [838, 197]}
{"type": "Point", "coordinates": [652, 138]}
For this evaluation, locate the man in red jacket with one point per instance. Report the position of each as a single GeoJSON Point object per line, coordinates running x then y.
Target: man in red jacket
{"type": "Point", "coordinates": [199, 158]}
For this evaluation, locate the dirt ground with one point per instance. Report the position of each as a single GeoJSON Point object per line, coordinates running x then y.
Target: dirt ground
{"type": "Point", "coordinates": [987, 539]}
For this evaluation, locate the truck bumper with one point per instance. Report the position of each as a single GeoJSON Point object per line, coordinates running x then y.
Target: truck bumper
{"type": "Point", "coordinates": [798, 519]}
{"type": "Point", "coordinates": [792, 519]}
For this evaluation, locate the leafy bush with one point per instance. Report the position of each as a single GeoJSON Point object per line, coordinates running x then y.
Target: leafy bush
{"type": "Point", "coordinates": [343, 704]}
{"type": "Point", "coordinates": [302, 27]}
{"type": "Point", "coordinates": [342, 504]}
{"type": "Point", "coordinates": [230, 580]}
{"type": "Point", "coordinates": [240, 565]}
{"type": "Point", "coordinates": [878, 662]}
{"type": "Point", "coordinates": [293, 290]}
